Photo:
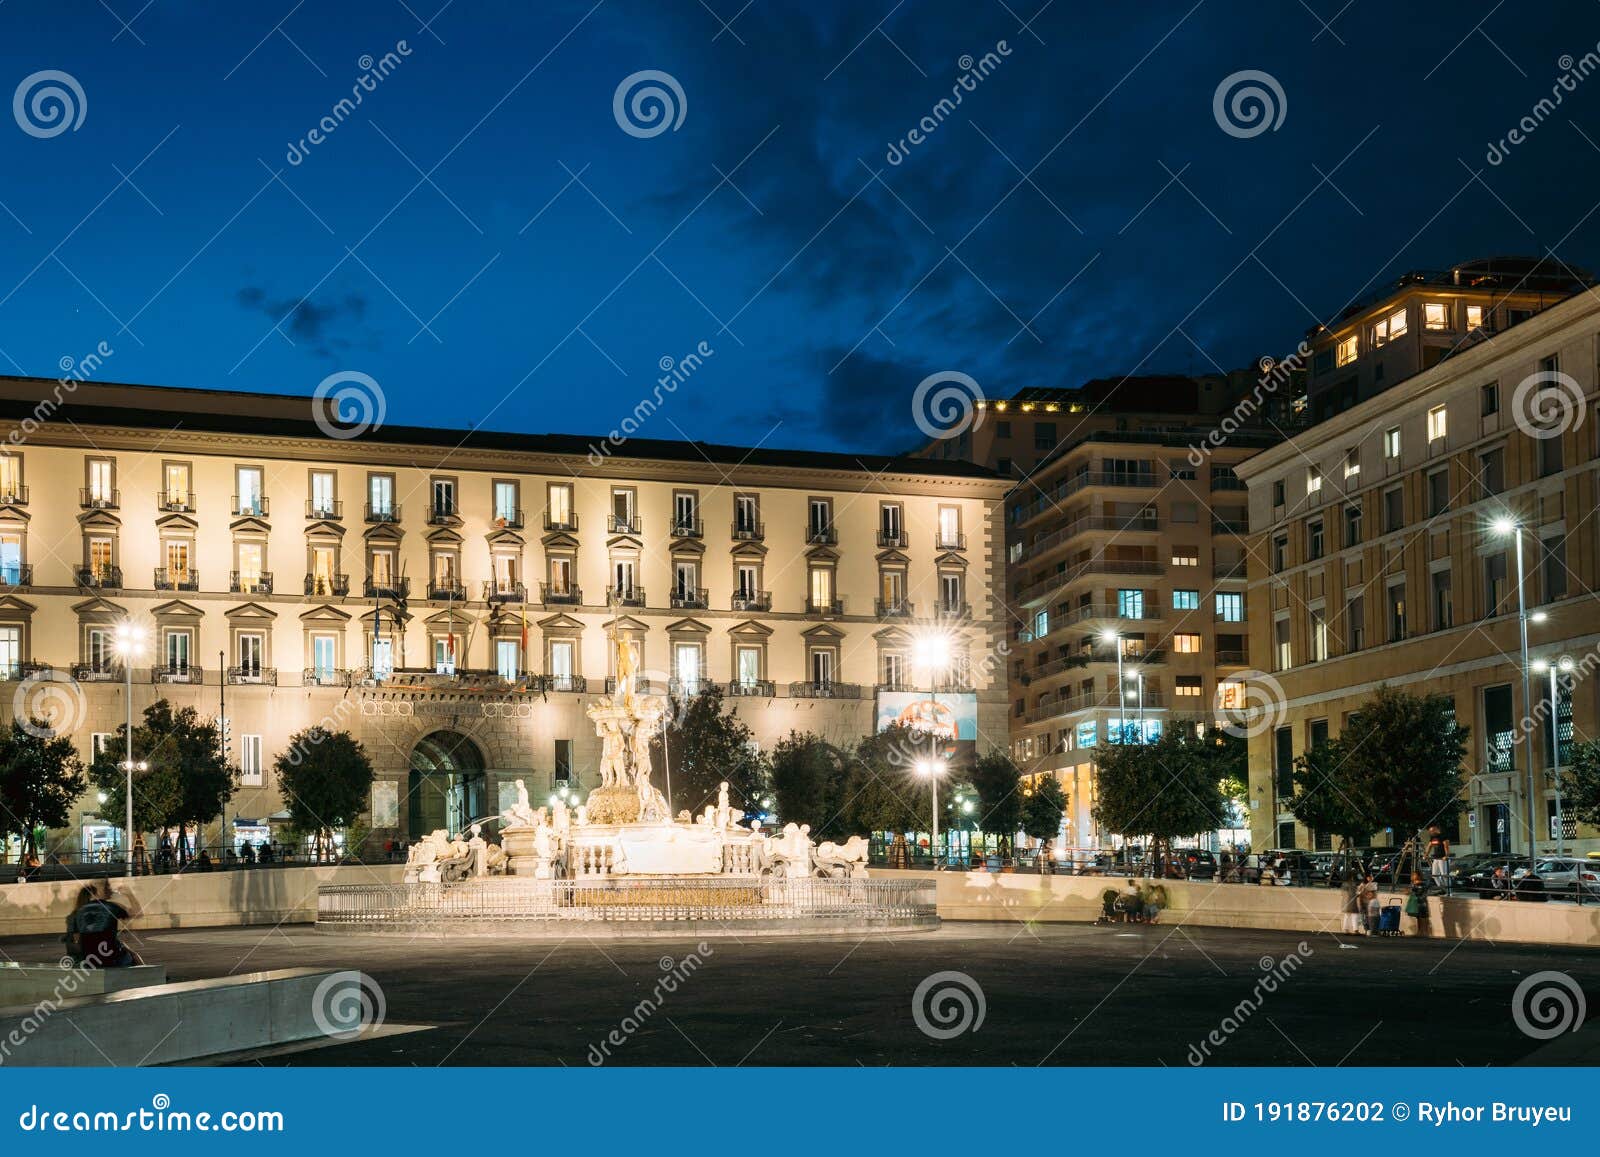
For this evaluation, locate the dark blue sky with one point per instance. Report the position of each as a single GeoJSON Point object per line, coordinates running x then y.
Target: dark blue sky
{"type": "Point", "coordinates": [550, 260]}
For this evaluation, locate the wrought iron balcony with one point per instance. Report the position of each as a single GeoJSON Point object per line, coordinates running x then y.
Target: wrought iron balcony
{"type": "Point", "coordinates": [98, 577]}
{"type": "Point", "coordinates": [893, 609]}
{"type": "Point", "coordinates": [92, 499]}
{"type": "Point", "coordinates": [1237, 658]}
{"type": "Point", "coordinates": [690, 598]}
{"type": "Point", "coordinates": [384, 512]}
{"type": "Point", "coordinates": [836, 607]}
{"type": "Point", "coordinates": [687, 527]}
{"type": "Point", "coordinates": [821, 536]}
{"type": "Point", "coordinates": [568, 594]}
{"type": "Point", "coordinates": [507, 520]}
{"type": "Point", "coordinates": [443, 514]}
{"type": "Point", "coordinates": [574, 683]}
{"type": "Point", "coordinates": [181, 501]}
{"type": "Point", "coordinates": [947, 610]}
{"type": "Point", "coordinates": [17, 574]}
{"type": "Point", "coordinates": [744, 600]}
{"type": "Point", "coordinates": [828, 690]}
{"type": "Point", "coordinates": [386, 588]}
{"type": "Point", "coordinates": [763, 688]}
{"type": "Point", "coordinates": [250, 506]}
{"type": "Point", "coordinates": [14, 496]}
{"type": "Point", "coordinates": [445, 590]}
{"type": "Point", "coordinates": [949, 541]}
{"type": "Point", "coordinates": [267, 676]}
{"type": "Point", "coordinates": [567, 522]}
{"type": "Point", "coordinates": [892, 539]}
{"type": "Point", "coordinates": [640, 684]}
{"type": "Point", "coordinates": [744, 530]}
{"type": "Point", "coordinates": [177, 673]}
{"type": "Point", "coordinates": [499, 591]}
{"type": "Point", "coordinates": [177, 580]}
{"type": "Point", "coordinates": [323, 586]}
{"type": "Point", "coordinates": [250, 584]}
{"type": "Point", "coordinates": [101, 672]}
{"type": "Point", "coordinates": [325, 677]}
{"type": "Point", "coordinates": [327, 509]}
{"type": "Point", "coordinates": [618, 525]}
{"type": "Point", "coordinates": [24, 669]}
{"type": "Point", "coordinates": [626, 596]}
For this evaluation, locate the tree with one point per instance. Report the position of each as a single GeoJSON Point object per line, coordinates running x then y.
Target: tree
{"type": "Point", "coordinates": [882, 790]}
{"type": "Point", "coordinates": [1043, 805]}
{"type": "Point", "coordinates": [40, 778]}
{"type": "Point", "coordinates": [1580, 783]}
{"type": "Point", "coordinates": [1323, 797]}
{"type": "Point", "coordinates": [808, 776]}
{"type": "Point", "coordinates": [997, 780]}
{"type": "Point", "coordinates": [326, 778]}
{"type": "Point", "coordinates": [700, 747]}
{"type": "Point", "coordinates": [1403, 756]}
{"type": "Point", "coordinates": [1163, 789]}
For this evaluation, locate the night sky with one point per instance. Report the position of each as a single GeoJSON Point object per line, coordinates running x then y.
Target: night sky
{"type": "Point", "coordinates": [484, 239]}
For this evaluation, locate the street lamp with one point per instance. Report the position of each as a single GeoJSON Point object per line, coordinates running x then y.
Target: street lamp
{"type": "Point", "coordinates": [1114, 639]}
{"type": "Point", "coordinates": [1565, 666]}
{"type": "Point", "coordinates": [1502, 527]}
{"type": "Point", "coordinates": [931, 651]}
{"type": "Point", "coordinates": [129, 644]}
{"type": "Point", "coordinates": [933, 769]}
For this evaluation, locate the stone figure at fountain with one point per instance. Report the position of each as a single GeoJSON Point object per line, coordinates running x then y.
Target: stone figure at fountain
{"type": "Point", "coordinates": [625, 723]}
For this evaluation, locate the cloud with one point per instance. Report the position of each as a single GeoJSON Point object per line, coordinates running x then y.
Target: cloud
{"type": "Point", "coordinates": [305, 319]}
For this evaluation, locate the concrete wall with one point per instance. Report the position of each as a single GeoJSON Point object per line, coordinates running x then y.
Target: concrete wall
{"type": "Point", "coordinates": [261, 896]}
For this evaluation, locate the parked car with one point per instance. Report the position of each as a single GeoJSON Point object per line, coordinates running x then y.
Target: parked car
{"type": "Point", "coordinates": [1569, 875]}
{"type": "Point", "coordinates": [1194, 863]}
{"type": "Point", "coordinates": [1479, 877]}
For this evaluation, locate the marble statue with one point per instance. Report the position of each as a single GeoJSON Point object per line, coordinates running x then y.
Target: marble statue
{"type": "Point", "coordinates": [848, 858]}
{"type": "Point", "coordinates": [519, 814]}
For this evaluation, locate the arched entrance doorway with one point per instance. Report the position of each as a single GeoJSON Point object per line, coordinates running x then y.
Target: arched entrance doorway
{"type": "Point", "coordinates": [447, 784]}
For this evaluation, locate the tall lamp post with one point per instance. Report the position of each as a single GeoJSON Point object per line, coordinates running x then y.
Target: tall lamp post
{"type": "Point", "coordinates": [1503, 527]}
{"type": "Point", "coordinates": [1114, 639]}
{"type": "Point", "coordinates": [1565, 666]}
{"type": "Point", "coordinates": [129, 644]}
{"type": "Point", "coordinates": [932, 654]}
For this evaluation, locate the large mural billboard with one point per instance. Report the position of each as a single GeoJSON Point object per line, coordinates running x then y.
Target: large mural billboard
{"type": "Point", "coordinates": [952, 717]}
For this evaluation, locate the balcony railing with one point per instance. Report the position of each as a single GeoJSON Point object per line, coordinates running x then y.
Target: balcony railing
{"type": "Point", "coordinates": [948, 610]}
{"type": "Point", "coordinates": [619, 525]}
{"type": "Point", "coordinates": [1129, 611]}
{"type": "Point", "coordinates": [325, 677]}
{"type": "Point", "coordinates": [102, 672]}
{"type": "Point", "coordinates": [753, 687]}
{"type": "Point", "coordinates": [324, 586]}
{"type": "Point", "coordinates": [1230, 526]}
{"type": "Point", "coordinates": [177, 580]}
{"type": "Point", "coordinates": [891, 539]}
{"type": "Point", "coordinates": [1086, 525]}
{"type": "Point", "coordinates": [92, 499]}
{"type": "Point", "coordinates": [18, 671]}
{"type": "Point", "coordinates": [827, 690]}
{"type": "Point", "coordinates": [746, 531]}
{"type": "Point", "coordinates": [507, 520]}
{"type": "Point", "coordinates": [567, 594]}
{"type": "Point", "coordinates": [14, 496]}
{"type": "Point", "coordinates": [689, 598]}
{"type": "Point", "coordinates": [250, 584]}
{"type": "Point", "coordinates": [821, 536]}
{"type": "Point", "coordinates": [267, 676]}
{"type": "Point", "coordinates": [626, 596]}
{"type": "Point", "coordinates": [949, 541]}
{"type": "Point", "coordinates": [1093, 566]}
{"type": "Point", "coordinates": [573, 683]}
{"type": "Point", "coordinates": [250, 506]}
{"type": "Point", "coordinates": [177, 673]}
{"type": "Point", "coordinates": [893, 608]}
{"type": "Point", "coordinates": [501, 591]}
{"type": "Point", "coordinates": [640, 684]}
{"type": "Point", "coordinates": [329, 509]}
{"type": "Point", "coordinates": [385, 512]}
{"type": "Point", "coordinates": [1227, 570]}
{"type": "Point", "coordinates": [98, 577]}
{"type": "Point", "coordinates": [567, 522]}
{"type": "Point", "coordinates": [17, 574]}
{"type": "Point", "coordinates": [175, 500]}
{"type": "Point", "coordinates": [1233, 658]}
{"type": "Point", "coordinates": [687, 527]}
{"type": "Point", "coordinates": [1227, 482]}
{"type": "Point", "coordinates": [836, 607]}
{"type": "Point", "coordinates": [443, 514]}
{"type": "Point", "coordinates": [744, 600]}
{"type": "Point", "coordinates": [445, 590]}
{"type": "Point", "coordinates": [386, 587]}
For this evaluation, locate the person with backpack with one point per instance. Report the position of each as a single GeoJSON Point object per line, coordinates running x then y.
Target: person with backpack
{"type": "Point", "coordinates": [93, 930]}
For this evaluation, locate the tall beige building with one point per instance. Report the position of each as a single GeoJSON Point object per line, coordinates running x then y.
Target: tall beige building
{"type": "Point", "coordinates": [1381, 547]}
{"type": "Point", "coordinates": [453, 598]}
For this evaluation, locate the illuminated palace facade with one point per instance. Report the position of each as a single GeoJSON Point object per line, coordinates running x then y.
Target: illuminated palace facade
{"type": "Point", "coordinates": [451, 598]}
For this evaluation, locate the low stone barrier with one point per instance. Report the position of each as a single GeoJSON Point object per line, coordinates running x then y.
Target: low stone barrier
{"type": "Point", "coordinates": [29, 983]}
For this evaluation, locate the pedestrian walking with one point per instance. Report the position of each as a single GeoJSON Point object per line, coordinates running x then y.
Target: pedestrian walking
{"type": "Point", "coordinates": [1439, 858]}
{"type": "Point", "coordinates": [1368, 897]}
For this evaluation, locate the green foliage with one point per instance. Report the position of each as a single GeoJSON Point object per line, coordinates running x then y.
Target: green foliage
{"type": "Point", "coordinates": [808, 775]}
{"type": "Point", "coordinates": [997, 781]}
{"type": "Point", "coordinates": [326, 778]}
{"type": "Point", "coordinates": [1403, 760]}
{"type": "Point", "coordinates": [187, 781]}
{"type": "Point", "coordinates": [1322, 799]}
{"type": "Point", "coordinates": [1580, 783]}
{"type": "Point", "coordinates": [707, 745]}
{"type": "Point", "coordinates": [1163, 789]}
{"type": "Point", "coordinates": [1043, 807]}
{"type": "Point", "coordinates": [40, 777]}
{"type": "Point", "coordinates": [882, 790]}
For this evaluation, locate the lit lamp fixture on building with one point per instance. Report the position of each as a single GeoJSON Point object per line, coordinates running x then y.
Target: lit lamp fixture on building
{"type": "Point", "coordinates": [129, 645]}
{"type": "Point", "coordinates": [1565, 665]}
{"type": "Point", "coordinates": [1504, 527]}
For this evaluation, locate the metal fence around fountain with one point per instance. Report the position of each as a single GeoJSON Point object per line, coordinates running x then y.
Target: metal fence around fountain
{"type": "Point", "coordinates": [664, 900]}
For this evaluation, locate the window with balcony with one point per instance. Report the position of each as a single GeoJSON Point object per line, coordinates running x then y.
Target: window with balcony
{"type": "Point", "coordinates": [177, 646]}
{"type": "Point", "coordinates": [892, 592]}
{"type": "Point", "coordinates": [100, 561]}
{"type": "Point", "coordinates": [324, 657]}
{"type": "Point", "coordinates": [506, 567]}
{"type": "Point", "coordinates": [746, 516]}
{"type": "Point", "coordinates": [323, 499]}
{"type": "Point", "coordinates": [250, 654]}
{"type": "Point", "coordinates": [321, 577]}
{"type": "Point", "coordinates": [624, 573]}
{"type": "Point", "coordinates": [686, 513]}
{"type": "Point", "coordinates": [11, 656]}
{"type": "Point", "coordinates": [891, 525]}
{"type": "Point", "coordinates": [1186, 644]}
{"type": "Point", "coordinates": [1230, 606]}
{"type": "Point", "coordinates": [560, 668]}
{"type": "Point", "coordinates": [558, 577]}
{"type": "Point", "coordinates": [952, 593]}
{"type": "Point", "coordinates": [747, 581]}
{"type": "Point", "coordinates": [507, 503]}
{"type": "Point", "coordinates": [687, 667]}
{"type": "Point", "coordinates": [1041, 622]}
{"type": "Point", "coordinates": [380, 498]}
{"type": "Point", "coordinates": [950, 528]}
{"type": "Point", "coordinates": [101, 492]}
{"type": "Point", "coordinates": [177, 572]}
{"type": "Point", "coordinates": [442, 500]}
{"type": "Point", "coordinates": [1186, 600]}
{"type": "Point", "coordinates": [558, 507]}
{"type": "Point", "coordinates": [623, 509]}
{"type": "Point", "coordinates": [819, 524]}
{"type": "Point", "coordinates": [249, 498]}
{"type": "Point", "coordinates": [1130, 604]}
{"type": "Point", "coordinates": [176, 491]}
{"type": "Point", "coordinates": [685, 583]}
{"type": "Point", "coordinates": [11, 489]}
{"type": "Point", "coordinates": [822, 662]}
{"type": "Point", "coordinates": [820, 585]}
{"type": "Point", "coordinates": [250, 568]}
{"type": "Point", "coordinates": [747, 665]}
{"type": "Point", "coordinates": [508, 659]}
{"type": "Point", "coordinates": [1443, 603]}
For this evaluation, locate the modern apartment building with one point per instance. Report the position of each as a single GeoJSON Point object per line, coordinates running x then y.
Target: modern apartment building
{"type": "Point", "coordinates": [454, 598]}
{"type": "Point", "coordinates": [1385, 543]}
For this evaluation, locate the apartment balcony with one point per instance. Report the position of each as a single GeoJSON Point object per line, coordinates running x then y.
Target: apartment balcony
{"type": "Point", "coordinates": [177, 673]}
{"type": "Point", "coordinates": [1094, 566]}
{"type": "Point", "coordinates": [98, 578]}
{"type": "Point", "coordinates": [827, 609]}
{"type": "Point", "coordinates": [1062, 706]}
{"type": "Point", "coordinates": [1141, 524]}
{"type": "Point", "coordinates": [446, 590]}
{"type": "Point", "coordinates": [821, 536]}
{"type": "Point", "coordinates": [25, 669]}
{"type": "Point", "coordinates": [18, 574]}
{"type": "Point", "coordinates": [560, 595]}
{"type": "Point", "coordinates": [895, 685]}
{"type": "Point", "coordinates": [891, 539]}
{"type": "Point", "coordinates": [576, 684]}
{"type": "Point", "coordinates": [751, 600]}
{"type": "Point", "coordinates": [1114, 612]}
{"type": "Point", "coordinates": [249, 506]}
{"type": "Point", "coordinates": [92, 499]}
{"type": "Point", "coordinates": [250, 584]}
{"type": "Point", "coordinates": [326, 586]}
{"type": "Point", "coordinates": [1054, 667]}
{"type": "Point", "coordinates": [14, 496]}
{"type": "Point", "coordinates": [687, 688]}
{"type": "Point", "coordinates": [640, 684]}
{"type": "Point", "coordinates": [502, 591]}
{"type": "Point", "coordinates": [828, 690]}
{"type": "Point", "coordinates": [384, 512]}
{"type": "Point", "coordinates": [265, 676]}
{"type": "Point", "coordinates": [325, 677]}
{"type": "Point", "coordinates": [1233, 658]}
{"type": "Point", "coordinates": [507, 520]}
{"type": "Point", "coordinates": [386, 587]}
{"type": "Point", "coordinates": [175, 501]}
{"type": "Point", "coordinates": [107, 671]}
{"type": "Point", "coordinates": [1237, 526]}
{"type": "Point", "coordinates": [618, 525]}
{"type": "Point", "coordinates": [1227, 482]}
{"type": "Point", "coordinates": [625, 596]}
{"type": "Point", "coordinates": [943, 540]}
{"type": "Point", "coordinates": [690, 598]}
{"type": "Point", "coordinates": [177, 580]}
{"type": "Point", "coordinates": [687, 528]}
{"type": "Point", "coordinates": [945, 610]}
{"type": "Point", "coordinates": [743, 531]}
{"type": "Point", "coordinates": [566, 523]}
{"type": "Point", "coordinates": [893, 609]}
{"type": "Point", "coordinates": [755, 688]}
{"type": "Point", "coordinates": [443, 514]}
{"type": "Point", "coordinates": [1228, 570]}
{"type": "Point", "coordinates": [325, 509]}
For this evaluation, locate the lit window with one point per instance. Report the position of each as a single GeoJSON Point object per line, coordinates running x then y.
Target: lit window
{"type": "Point", "coordinates": [1230, 607]}
{"type": "Point", "coordinates": [1435, 315]}
{"type": "Point", "coordinates": [1186, 600]}
{"type": "Point", "coordinates": [1352, 462]}
{"type": "Point", "coordinates": [1185, 556]}
{"type": "Point", "coordinates": [1313, 479]}
{"type": "Point", "coordinates": [1348, 349]}
{"type": "Point", "coordinates": [1389, 328]}
{"type": "Point", "coordinates": [1186, 644]}
{"type": "Point", "coordinates": [1230, 695]}
{"type": "Point", "coordinates": [1436, 423]}
{"type": "Point", "coordinates": [1474, 317]}
{"type": "Point", "coordinates": [1391, 442]}
{"type": "Point", "coordinates": [1189, 686]}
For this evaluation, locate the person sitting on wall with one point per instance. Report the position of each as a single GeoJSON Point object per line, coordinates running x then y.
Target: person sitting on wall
{"type": "Point", "coordinates": [93, 937]}
{"type": "Point", "coordinates": [1155, 899]}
